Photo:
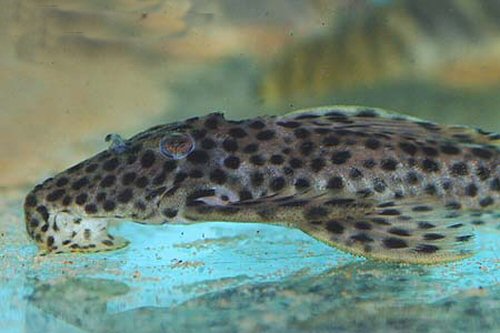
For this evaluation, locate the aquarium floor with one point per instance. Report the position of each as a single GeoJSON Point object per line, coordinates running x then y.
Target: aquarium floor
{"type": "Point", "coordinates": [225, 277]}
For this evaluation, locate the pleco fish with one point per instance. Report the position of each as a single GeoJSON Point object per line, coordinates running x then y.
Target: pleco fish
{"type": "Point", "coordinates": [372, 183]}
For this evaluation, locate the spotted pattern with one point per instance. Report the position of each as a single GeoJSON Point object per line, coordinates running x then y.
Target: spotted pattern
{"type": "Point", "coordinates": [237, 167]}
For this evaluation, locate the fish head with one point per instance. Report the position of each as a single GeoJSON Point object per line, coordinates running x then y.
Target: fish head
{"type": "Point", "coordinates": [148, 178]}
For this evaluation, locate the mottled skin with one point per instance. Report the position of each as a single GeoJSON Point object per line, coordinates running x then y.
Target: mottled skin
{"type": "Point", "coordinates": [379, 185]}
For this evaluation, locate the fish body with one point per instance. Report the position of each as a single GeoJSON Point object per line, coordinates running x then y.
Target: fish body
{"type": "Point", "coordinates": [363, 180]}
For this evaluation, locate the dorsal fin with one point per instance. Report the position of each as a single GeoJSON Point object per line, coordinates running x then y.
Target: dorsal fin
{"type": "Point", "coordinates": [377, 120]}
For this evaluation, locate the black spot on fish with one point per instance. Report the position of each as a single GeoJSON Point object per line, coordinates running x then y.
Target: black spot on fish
{"type": "Point", "coordinates": [453, 205]}
{"type": "Point", "coordinates": [390, 212]}
{"type": "Point", "coordinates": [257, 178]}
{"type": "Point", "coordinates": [485, 202]}
{"type": "Point", "coordinates": [77, 185]}
{"type": "Point", "coordinates": [425, 225]}
{"type": "Point", "coordinates": [464, 238]}
{"type": "Point", "coordinates": [422, 208]}
{"type": "Point", "coordinates": [426, 248]}
{"type": "Point", "coordinates": [495, 185]}
{"type": "Point", "coordinates": [198, 157]}
{"type": "Point", "coordinates": [277, 184]}
{"type": "Point", "coordinates": [362, 237]}
{"type": "Point", "coordinates": [471, 190]}
{"type": "Point", "coordinates": [257, 160]}
{"type": "Point", "coordinates": [91, 209]}
{"type": "Point", "coordinates": [362, 225]}
{"type": "Point", "coordinates": [55, 195]}
{"type": "Point", "coordinates": [257, 124]}
{"type": "Point", "coordinates": [331, 140]}
{"type": "Point", "coordinates": [180, 177]}
{"type": "Point", "coordinates": [131, 159]}
{"type": "Point", "coordinates": [482, 153]}
{"type": "Point", "coordinates": [483, 172]}
{"type": "Point", "coordinates": [306, 148]}
{"type": "Point", "coordinates": [295, 163]}
{"type": "Point", "coordinates": [232, 162]}
{"type": "Point", "coordinates": [251, 148]}
{"type": "Point", "coordinates": [218, 176]}
{"type": "Point", "coordinates": [108, 181]}
{"type": "Point", "coordinates": [230, 145]}
{"type": "Point", "coordinates": [237, 132]}
{"type": "Point", "coordinates": [42, 210]}
{"type": "Point", "coordinates": [430, 151]}
{"type": "Point", "coordinates": [340, 157]}
{"type": "Point", "coordinates": [265, 135]}
{"type": "Point", "coordinates": [30, 201]}
{"type": "Point", "coordinates": [170, 212]}
{"type": "Point", "coordinates": [334, 227]}
{"type": "Point", "coordinates": [81, 199]}
{"type": "Point", "coordinates": [389, 164]}
{"type": "Point", "coordinates": [169, 165]}
{"type": "Point", "coordinates": [302, 183]}
{"type": "Point", "coordinates": [245, 195]}
{"type": "Point", "coordinates": [369, 163]}
{"type": "Point", "coordinates": [433, 236]}
{"type": "Point", "coordinates": [429, 165]}
{"type": "Point", "coordinates": [142, 182]}
{"type": "Point", "coordinates": [399, 232]}
{"type": "Point", "coordinates": [128, 178]}
{"type": "Point", "coordinates": [408, 148]}
{"type": "Point", "coordinates": [335, 183]}
{"type": "Point", "coordinates": [289, 124]}
{"type": "Point", "coordinates": [196, 174]}
{"type": "Point", "coordinates": [91, 168]}
{"type": "Point", "coordinates": [379, 185]}
{"type": "Point", "coordinates": [459, 169]}
{"type": "Point", "coordinates": [412, 178]}
{"type": "Point", "coordinates": [111, 164]}
{"type": "Point", "coordinates": [109, 205]}
{"type": "Point", "coordinates": [67, 200]}
{"type": "Point", "coordinates": [450, 149]}
{"type": "Point", "coordinates": [212, 121]}
{"type": "Point", "coordinates": [125, 195]}
{"type": "Point", "coordinates": [208, 143]}
{"type": "Point", "coordinates": [367, 114]}
{"type": "Point", "coordinates": [394, 243]}
{"type": "Point", "coordinates": [198, 133]}
{"type": "Point", "coordinates": [355, 173]}
{"type": "Point", "coordinates": [317, 164]}
{"type": "Point", "coordinates": [301, 133]}
{"type": "Point", "coordinates": [372, 143]}
{"type": "Point", "coordinates": [277, 159]}
{"type": "Point", "coordinates": [315, 213]}
{"type": "Point", "coordinates": [62, 181]}
{"type": "Point", "coordinates": [148, 159]}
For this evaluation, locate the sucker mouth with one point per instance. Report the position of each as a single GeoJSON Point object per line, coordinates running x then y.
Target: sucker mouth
{"type": "Point", "coordinates": [66, 232]}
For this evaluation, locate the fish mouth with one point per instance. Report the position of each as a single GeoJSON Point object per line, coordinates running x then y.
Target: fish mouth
{"type": "Point", "coordinates": [67, 232]}
{"type": "Point", "coordinates": [57, 227]}
{"type": "Point", "coordinates": [63, 231]}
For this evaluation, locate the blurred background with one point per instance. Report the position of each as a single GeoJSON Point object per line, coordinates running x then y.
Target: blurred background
{"type": "Point", "coordinates": [72, 71]}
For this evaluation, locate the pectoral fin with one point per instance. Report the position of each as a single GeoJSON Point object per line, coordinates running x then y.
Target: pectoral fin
{"type": "Point", "coordinates": [400, 231]}
{"type": "Point", "coordinates": [406, 232]}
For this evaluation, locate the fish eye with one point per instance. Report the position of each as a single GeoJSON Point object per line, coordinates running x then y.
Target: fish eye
{"type": "Point", "coordinates": [176, 145]}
